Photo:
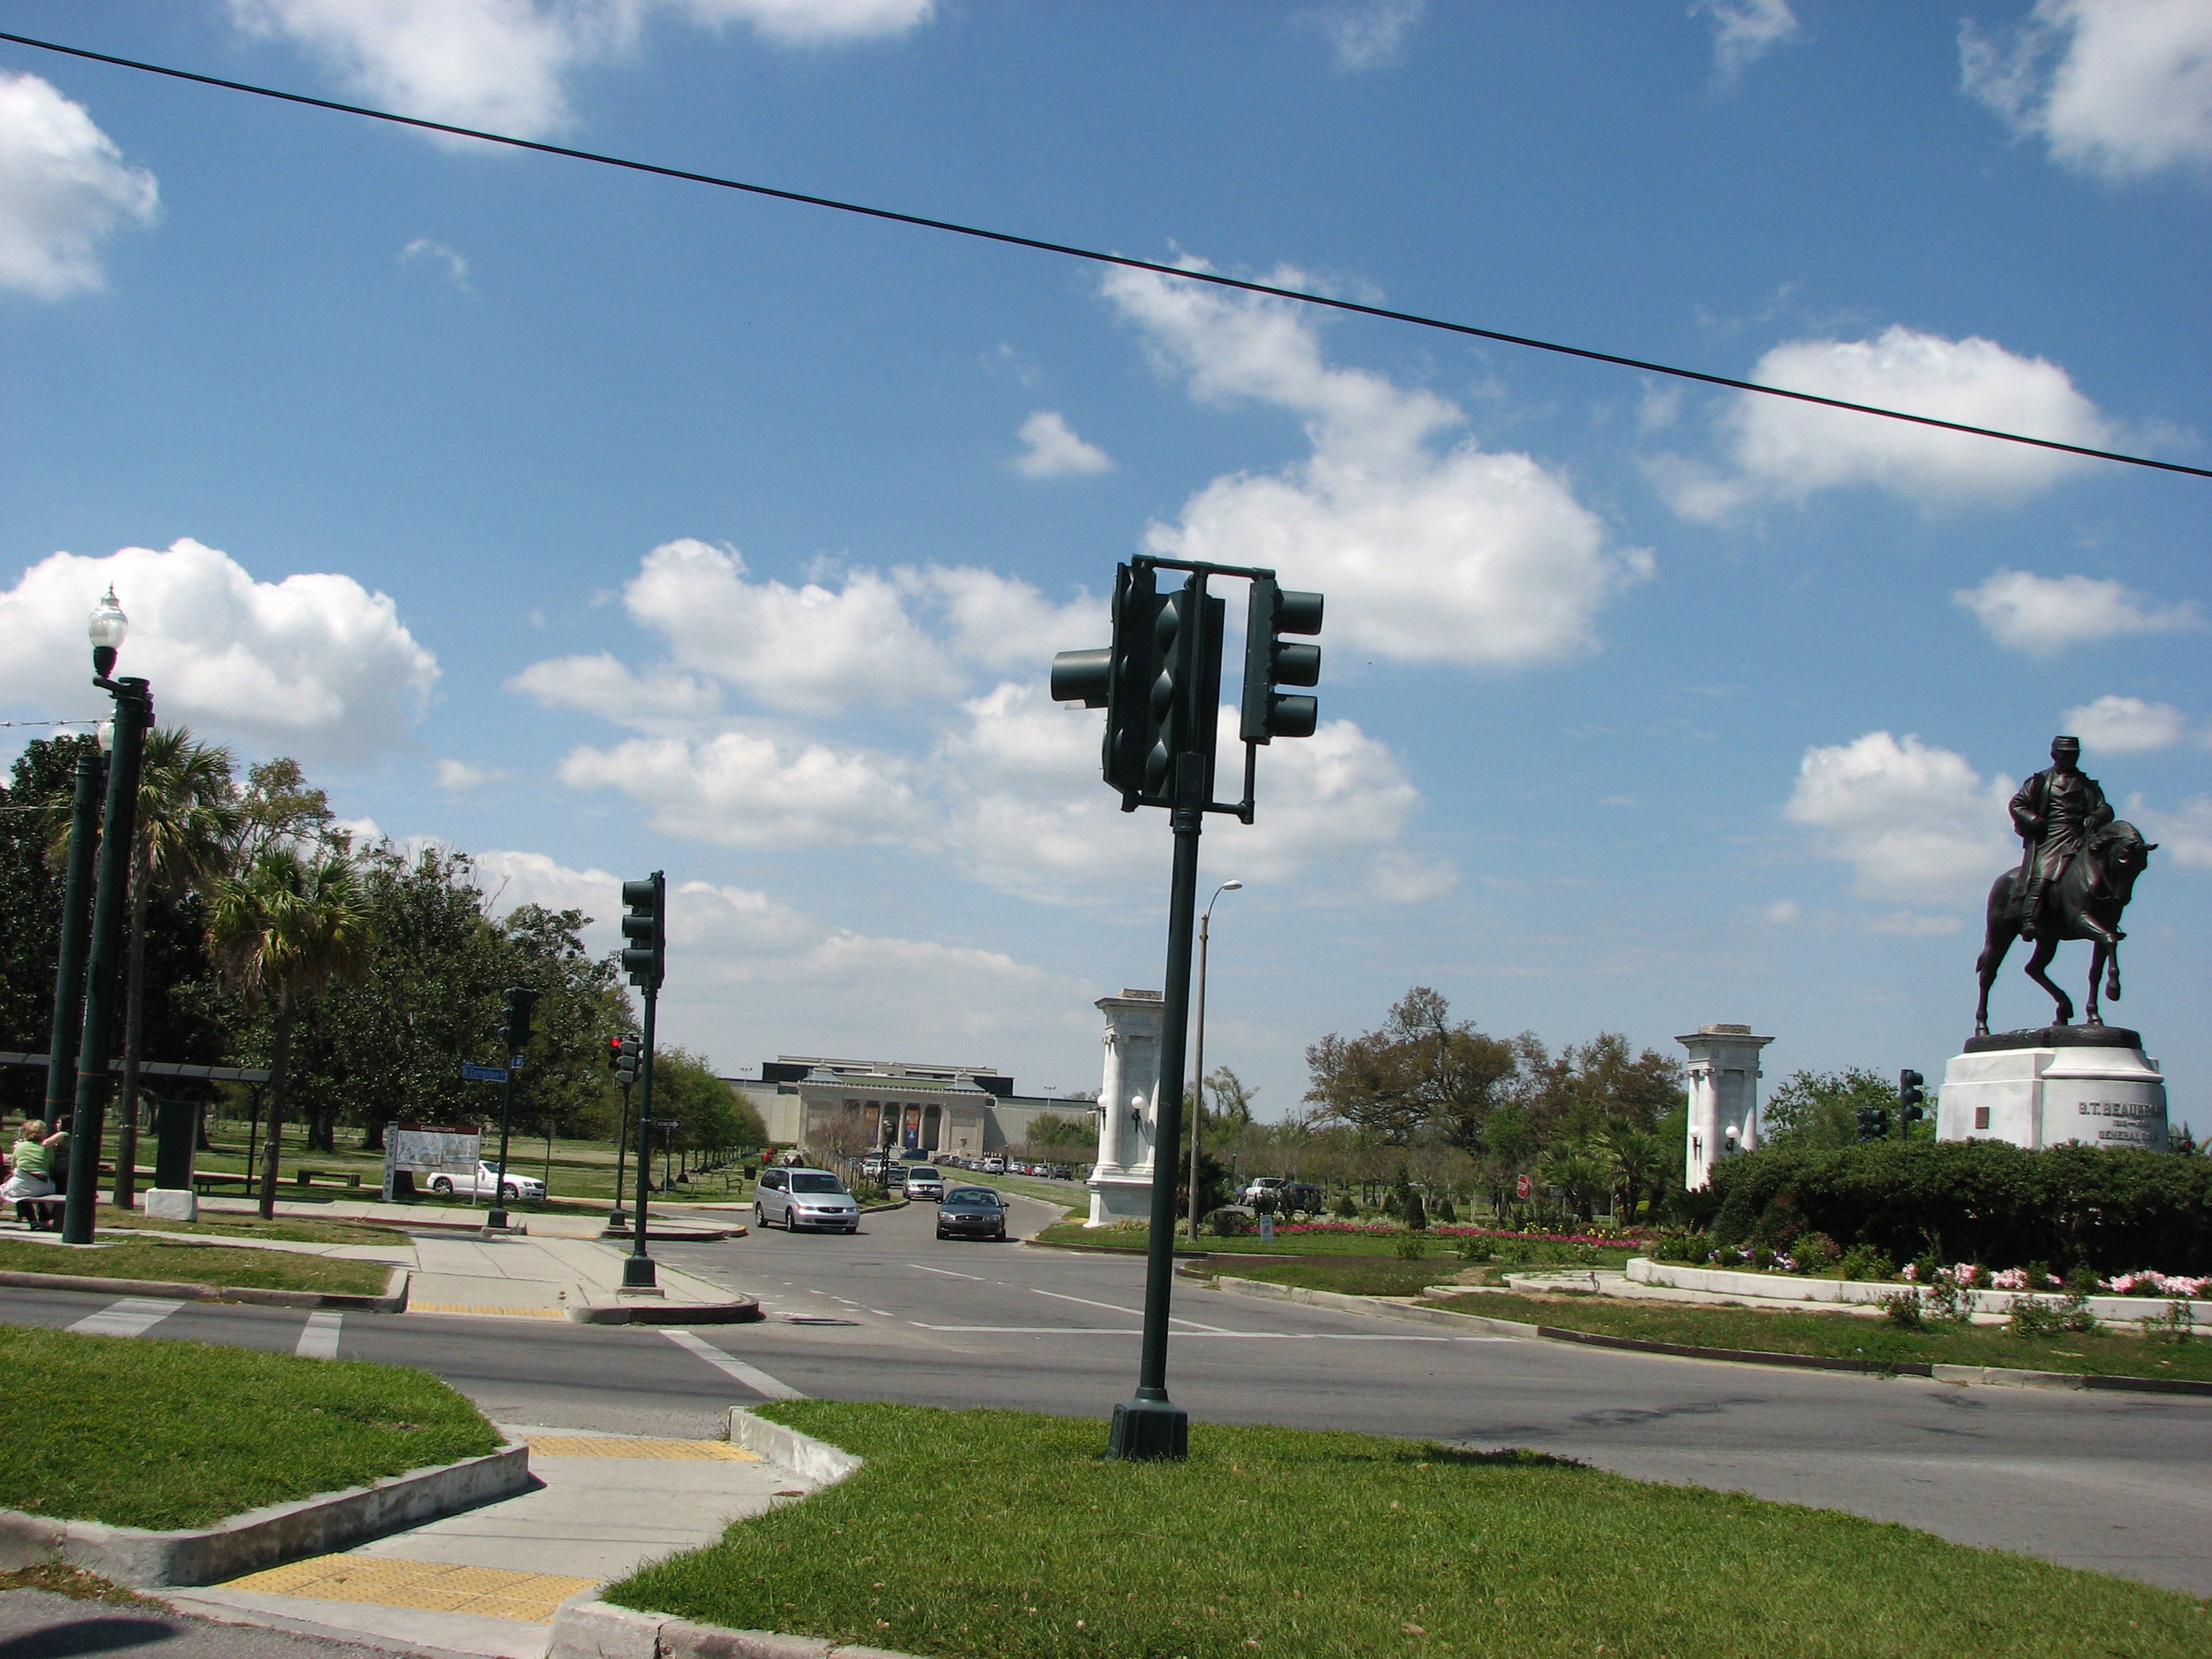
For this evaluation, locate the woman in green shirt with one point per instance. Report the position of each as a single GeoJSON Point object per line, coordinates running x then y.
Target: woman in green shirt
{"type": "Point", "coordinates": [32, 1163]}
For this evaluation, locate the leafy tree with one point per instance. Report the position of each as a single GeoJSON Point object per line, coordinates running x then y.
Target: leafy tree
{"type": "Point", "coordinates": [281, 929]}
{"type": "Point", "coordinates": [1574, 1093]}
{"type": "Point", "coordinates": [1233, 1100]}
{"type": "Point", "coordinates": [1820, 1109]}
{"type": "Point", "coordinates": [1421, 1071]}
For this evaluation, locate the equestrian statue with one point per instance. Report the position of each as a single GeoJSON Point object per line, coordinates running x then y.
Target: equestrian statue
{"type": "Point", "coordinates": [2075, 876]}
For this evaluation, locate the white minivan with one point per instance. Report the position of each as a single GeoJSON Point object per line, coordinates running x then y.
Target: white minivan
{"type": "Point", "coordinates": [799, 1198]}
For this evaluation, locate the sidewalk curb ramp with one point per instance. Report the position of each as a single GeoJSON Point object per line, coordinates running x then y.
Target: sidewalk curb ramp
{"type": "Point", "coordinates": [588, 1628]}
{"type": "Point", "coordinates": [267, 1537]}
{"type": "Point", "coordinates": [741, 1310]}
{"type": "Point", "coordinates": [392, 1301]}
{"type": "Point", "coordinates": [1981, 1375]}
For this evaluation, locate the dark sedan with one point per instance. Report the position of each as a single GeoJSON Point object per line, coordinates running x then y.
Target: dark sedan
{"type": "Point", "coordinates": [972, 1212]}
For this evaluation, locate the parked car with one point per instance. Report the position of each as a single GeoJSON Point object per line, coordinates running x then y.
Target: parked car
{"type": "Point", "coordinates": [873, 1165]}
{"type": "Point", "coordinates": [924, 1182]}
{"type": "Point", "coordinates": [972, 1212]}
{"type": "Point", "coordinates": [1267, 1185]}
{"type": "Point", "coordinates": [802, 1197]}
{"type": "Point", "coordinates": [992, 1166]}
{"type": "Point", "coordinates": [894, 1177]}
{"type": "Point", "coordinates": [517, 1188]}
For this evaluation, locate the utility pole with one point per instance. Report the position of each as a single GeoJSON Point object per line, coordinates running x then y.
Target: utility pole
{"type": "Point", "coordinates": [646, 959]}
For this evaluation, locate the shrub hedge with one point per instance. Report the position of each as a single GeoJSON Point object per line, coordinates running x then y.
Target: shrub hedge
{"type": "Point", "coordinates": [1976, 1200]}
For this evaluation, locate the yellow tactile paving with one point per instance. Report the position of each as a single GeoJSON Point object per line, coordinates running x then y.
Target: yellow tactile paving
{"type": "Point", "coordinates": [429, 1587]}
{"type": "Point", "coordinates": [481, 1307]}
{"type": "Point", "coordinates": [613, 1446]}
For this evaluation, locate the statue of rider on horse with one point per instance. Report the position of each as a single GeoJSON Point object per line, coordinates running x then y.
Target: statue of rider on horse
{"type": "Point", "coordinates": [2076, 877]}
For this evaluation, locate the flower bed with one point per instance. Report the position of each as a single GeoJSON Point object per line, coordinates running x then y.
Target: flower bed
{"type": "Point", "coordinates": [1447, 1229]}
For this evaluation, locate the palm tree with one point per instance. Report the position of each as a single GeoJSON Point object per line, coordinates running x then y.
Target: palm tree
{"type": "Point", "coordinates": [185, 827]}
{"type": "Point", "coordinates": [288, 925]}
{"type": "Point", "coordinates": [1639, 1160]}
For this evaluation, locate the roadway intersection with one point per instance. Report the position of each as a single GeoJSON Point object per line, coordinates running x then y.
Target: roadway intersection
{"type": "Point", "coordinates": [2115, 1482]}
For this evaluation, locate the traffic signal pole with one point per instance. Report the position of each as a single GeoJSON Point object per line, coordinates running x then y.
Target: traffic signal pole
{"type": "Point", "coordinates": [638, 1271]}
{"type": "Point", "coordinates": [1149, 1426]}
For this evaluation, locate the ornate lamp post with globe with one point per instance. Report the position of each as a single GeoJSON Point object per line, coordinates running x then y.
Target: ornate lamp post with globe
{"type": "Point", "coordinates": [1198, 1103]}
{"type": "Point", "coordinates": [134, 717]}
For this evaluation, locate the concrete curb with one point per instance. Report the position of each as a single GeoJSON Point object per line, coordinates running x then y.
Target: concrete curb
{"type": "Point", "coordinates": [588, 1628]}
{"type": "Point", "coordinates": [741, 1310]}
{"type": "Point", "coordinates": [1643, 1270]}
{"type": "Point", "coordinates": [393, 1300]}
{"type": "Point", "coordinates": [267, 1537]}
{"type": "Point", "coordinates": [1981, 1375]}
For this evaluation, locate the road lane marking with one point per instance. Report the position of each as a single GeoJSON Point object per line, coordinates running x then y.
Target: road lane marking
{"type": "Point", "coordinates": [1027, 1330]}
{"type": "Point", "coordinates": [319, 1338]}
{"type": "Point", "coordinates": [133, 1316]}
{"type": "Point", "coordinates": [759, 1381]}
{"type": "Point", "coordinates": [1136, 1313]}
{"type": "Point", "coordinates": [947, 1272]}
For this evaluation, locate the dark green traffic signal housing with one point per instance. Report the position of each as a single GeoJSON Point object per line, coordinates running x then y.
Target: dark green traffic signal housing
{"type": "Point", "coordinates": [520, 1001]}
{"type": "Point", "coordinates": [1912, 1099]}
{"type": "Point", "coordinates": [645, 957]}
{"type": "Point", "coordinates": [1873, 1124]}
{"type": "Point", "coordinates": [1270, 661]}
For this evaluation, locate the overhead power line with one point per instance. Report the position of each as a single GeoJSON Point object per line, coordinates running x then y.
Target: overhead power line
{"type": "Point", "coordinates": [1097, 256]}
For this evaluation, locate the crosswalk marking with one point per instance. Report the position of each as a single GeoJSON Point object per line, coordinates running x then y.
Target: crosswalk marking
{"type": "Point", "coordinates": [133, 1316]}
{"type": "Point", "coordinates": [318, 1338]}
{"type": "Point", "coordinates": [759, 1381]}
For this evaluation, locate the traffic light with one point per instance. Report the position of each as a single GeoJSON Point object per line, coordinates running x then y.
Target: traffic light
{"type": "Point", "coordinates": [645, 958]}
{"type": "Point", "coordinates": [1269, 662]}
{"type": "Point", "coordinates": [1159, 682]}
{"type": "Point", "coordinates": [1912, 1099]}
{"type": "Point", "coordinates": [622, 1053]}
{"type": "Point", "coordinates": [1873, 1123]}
{"type": "Point", "coordinates": [519, 1002]}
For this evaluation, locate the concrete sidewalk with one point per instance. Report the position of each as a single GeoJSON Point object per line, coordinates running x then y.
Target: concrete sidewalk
{"type": "Point", "coordinates": [489, 1581]}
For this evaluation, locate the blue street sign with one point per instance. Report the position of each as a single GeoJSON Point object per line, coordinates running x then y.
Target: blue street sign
{"type": "Point", "coordinates": [485, 1073]}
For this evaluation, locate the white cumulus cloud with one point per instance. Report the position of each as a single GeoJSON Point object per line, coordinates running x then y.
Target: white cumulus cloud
{"type": "Point", "coordinates": [1365, 34]}
{"type": "Point", "coordinates": [1452, 554]}
{"type": "Point", "coordinates": [315, 664]}
{"type": "Point", "coordinates": [2116, 88]}
{"type": "Point", "coordinates": [602, 684]}
{"type": "Point", "coordinates": [1916, 824]}
{"type": "Point", "coordinates": [1777, 449]}
{"type": "Point", "coordinates": [749, 789]}
{"type": "Point", "coordinates": [502, 65]}
{"type": "Point", "coordinates": [2183, 834]}
{"type": "Point", "coordinates": [2044, 615]}
{"type": "Point", "coordinates": [64, 190]}
{"type": "Point", "coordinates": [1744, 31]}
{"type": "Point", "coordinates": [2125, 725]}
{"type": "Point", "coordinates": [1051, 449]}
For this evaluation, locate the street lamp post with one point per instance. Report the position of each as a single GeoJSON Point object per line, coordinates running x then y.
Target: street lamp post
{"type": "Point", "coordinates": [133, 715]}
{"type": "Point", "coordinates": [1198, 1108]}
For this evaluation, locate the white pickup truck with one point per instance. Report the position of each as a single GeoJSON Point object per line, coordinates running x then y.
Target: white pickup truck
{"type": "Point", "coordinates": [518, 1187]}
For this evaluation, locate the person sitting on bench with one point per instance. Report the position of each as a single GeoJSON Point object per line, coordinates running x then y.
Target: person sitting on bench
{"type": "Point", "coordinates": [31, 1175]}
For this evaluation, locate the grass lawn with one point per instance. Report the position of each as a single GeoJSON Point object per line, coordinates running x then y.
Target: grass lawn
{"type": "Point", "coordinates": [1007, 1536]}
{"type": "Point", "coordinates": [286, 1230]}
{"type": "Point", "coordinates": [198, 1264]}
{"type": "Point", "coordinates": [167, 1434]}
{"type": "Point", "coordinates": [1845, 1336]}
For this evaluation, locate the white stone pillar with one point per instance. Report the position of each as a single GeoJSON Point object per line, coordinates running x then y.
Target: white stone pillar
{"type": "Point", "coordinates": [1724, 1075]}
{"type": "Point", "coordinates": [1128, 1108]}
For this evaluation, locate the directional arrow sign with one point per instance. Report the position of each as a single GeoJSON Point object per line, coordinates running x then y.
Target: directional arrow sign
{"type": "Point", "coordinates": [485, 1073]}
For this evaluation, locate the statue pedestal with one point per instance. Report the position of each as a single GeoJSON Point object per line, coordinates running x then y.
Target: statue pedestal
{"type": "Point", "coordinates": [2090, 1084]}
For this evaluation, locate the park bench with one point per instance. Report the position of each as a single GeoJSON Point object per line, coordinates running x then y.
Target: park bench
{"type": "Point", "coordinates": [308, 1178]}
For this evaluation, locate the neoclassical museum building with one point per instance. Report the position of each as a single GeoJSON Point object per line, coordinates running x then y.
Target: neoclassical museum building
{"type": "Point", "coordinates": [970, 1111]}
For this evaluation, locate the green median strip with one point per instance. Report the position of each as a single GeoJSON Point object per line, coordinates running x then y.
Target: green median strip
{"type": "Point", "coordinates": [217, 1224]}
{"type": "Point", "coordinates": [1006, 1534]}
{"type": "Point", "coordinates": [1841, 1335]}
{"type": "Point", "coordinates": [217, 1264]}
{"type": "Point", "coordinates": [173, 1435]}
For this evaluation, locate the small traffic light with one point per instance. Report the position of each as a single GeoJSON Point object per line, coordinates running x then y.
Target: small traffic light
{"type": "Point", "coordinates": [622, 1053]}
{"type": "Point", "coordinates": [645, 958]}
{"type": "Point", "coordinates": [1873, 1123]}
{"type": "Point", "coordinates": [1269, 662]}
{"type": "Point", "coordinates": [1159, 682]}
{"type": "Point", "coordinates": [519, 1002]}
{"type": "Point", "coordinates": [1912, 1099]}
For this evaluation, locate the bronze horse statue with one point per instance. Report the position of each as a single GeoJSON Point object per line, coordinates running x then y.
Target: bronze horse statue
{"type": "Point", "coordinates": [2085, 902]}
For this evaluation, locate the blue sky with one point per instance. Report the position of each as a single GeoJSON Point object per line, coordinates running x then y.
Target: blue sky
{"type": "Point", "coordinates": [596, 523]}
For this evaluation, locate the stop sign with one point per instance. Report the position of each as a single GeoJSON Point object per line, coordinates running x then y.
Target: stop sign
{"type": "Point", "coordinates": [1520, 1186]}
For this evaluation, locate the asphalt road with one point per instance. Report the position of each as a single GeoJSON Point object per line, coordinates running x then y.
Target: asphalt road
{"type": "Point", "coordinates": [2118, 1483]}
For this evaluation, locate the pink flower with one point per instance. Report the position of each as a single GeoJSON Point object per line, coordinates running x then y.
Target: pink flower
{"type": "Point", "coordinates": [1964, 1272]}
{"type": "Point", "coordinates": [1912, 1273]}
